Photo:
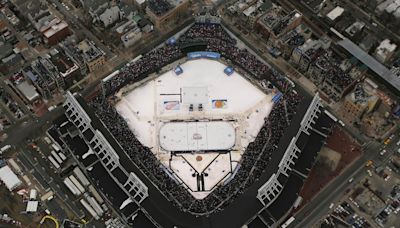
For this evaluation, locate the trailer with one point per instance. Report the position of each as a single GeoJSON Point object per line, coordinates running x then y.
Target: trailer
{"type": "Point", "coordinates": [47, 196]}
{"type": "Point", "coordinates": [96, 194]}
{"type": "Point", "coordinates": [77, 184]}
{"type": "Point", "coordinates": [27, 180]}
{"type": "Point", "coordinates": [55, 164]}
{"type": "Point", "coordinates": [33, 194]}
{"type": "Point", "coordinates": [62, 156]}
{"type": "Point", "coordinates": [71, 187]}
{"type": "Point", "coordinates": [89, 209]}
{"type": "Point", "coordinates": [14, 165]}
{"type": "Point", "coordinates": [47, 140]}
{"type": "Point", "coordinates": [55, 155]}
{"type": "Point", "coordinates": [5, 148]}
{"type": "Point", "coordinates": [95, 205]}
{"type": "Point", "coordinates": [288, 222]}
{"type": "Point", "coordinates": [79, 174]}
{"type": "Point", "coordinates": [55, 147]}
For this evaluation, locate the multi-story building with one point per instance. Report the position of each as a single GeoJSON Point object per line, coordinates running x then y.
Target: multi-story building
{"type": "Point", "coordinates": [92, 56]}
{"type": "Point", "coordinates": [53, 72]}
{"type": "Point", "coordinates": [49, 25]}
{"type": "Point", "coordinates": [251, 14]}
{"type": "Point", "coordinates": [307, 53]}
{"type": "Point", "coordinates": [360, 101]}
{"type": "Point", "coordinates": [163, 12]}
{"type": "Point", "coordinates": [131, 37]}
{"type": "Point", "coordinates": [385, 50]}
{"type": "Point", "coordinates": [274, 23]}
{"type": "Point", "coordinates": [67, 67]}
{"type": "Point", "coordinates": [45, 77]}
{"type": "Point", "coordinates": [107, 13]}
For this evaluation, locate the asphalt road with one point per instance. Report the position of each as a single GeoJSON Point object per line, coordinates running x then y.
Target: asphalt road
{"type": "Point", "coordinates": [40, 169]}
{"type": "Point", "coordinates": [32, 128]}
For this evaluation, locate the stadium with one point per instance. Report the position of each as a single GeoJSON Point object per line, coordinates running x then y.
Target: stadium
{"type": "Point", "coordinates": [199, 132]}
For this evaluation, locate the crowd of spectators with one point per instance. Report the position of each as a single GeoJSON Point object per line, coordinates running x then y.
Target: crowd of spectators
{"type": "Point", "coordinates": [258, 153]}
{"type": "Point", "coordinates": [149, 63]}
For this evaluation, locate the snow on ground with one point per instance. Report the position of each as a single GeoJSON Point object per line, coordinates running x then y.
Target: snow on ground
{"type": "Point", "coordinates": [151, 105]}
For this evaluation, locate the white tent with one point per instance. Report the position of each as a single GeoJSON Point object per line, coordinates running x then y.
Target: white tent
{"type": "Point", "coordinates": [32, 206]}
{"type": "Point", "coordinates": [8, 177]}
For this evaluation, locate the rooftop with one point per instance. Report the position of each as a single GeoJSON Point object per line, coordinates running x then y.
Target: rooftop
{"type": "Point", "coordinates": [65, 65]}
{"type": "Point", "coordinates": [55, 28]}
{"type": "Point", "coordinates": [160, 7]}
{"type": "Point", "coordinates": [89, 50]}
{"type": "Point", "coordinates": [28, 90]}
{"type": "Point", "coordinates": [335, 13]}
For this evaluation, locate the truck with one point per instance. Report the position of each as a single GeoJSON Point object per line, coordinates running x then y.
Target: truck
{"type": "Point", "coordinates": [47, 140]}
{"type": "Point", "coordinates": [55, 155]}
{"type": "Point", "coordinates": [96, 194]}
{"type": "Point", "coordinates": [33, 194]}
{"type": "Point", "coordinates": [93, 203]}
{"type": "Point", "coordinates": [55, 164]}
{"type": "Point", "coordinates": [5, 148]}
{"type": "Point", "coordinates": [89, 209]}
{"type": "Point", "coordinates": [77, 184]}
{"type": "Point", "coordinates": [14, 165]}
{"type": "Point", "coordinates": [27, 180]}
{"type": "Point", "coordinates": [79, 174]}
{"type": "Point", "coordinates": [62, 156]}
{"type": "Point", "coordinates": [55, 147]}
{"type": "Point", "coordinates": [47, 196]}
{"type": "Point", "coordinates": [288, 222]}
{"type": "Point", "coordinates": [71, 187]}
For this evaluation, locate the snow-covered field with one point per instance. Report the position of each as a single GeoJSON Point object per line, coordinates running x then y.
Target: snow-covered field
{"type": "Point", "coordinates": [148, 107]}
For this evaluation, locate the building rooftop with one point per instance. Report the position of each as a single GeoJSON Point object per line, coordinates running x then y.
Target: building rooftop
{"type": "Point", "coordinates": [159, 7]}
{"type": "Point", "coordinates": [28, 90]}
{"type": "Point", "coordinates": [89, 50]}
{"type": "Point", "coordinates": [364, 95]}
{"type": "Point", "coordinates": [55, 28]}
{"type": "Point", "coordinates": [355, 27]}
{"type": "Point", "coordinates": [335, 13]}
{"type": "Point", "coordinates": [271, 16]}
{"type": "Point", "coordinates": [64, 64]}
{"type": "Point", "coordinates": [385, 48]}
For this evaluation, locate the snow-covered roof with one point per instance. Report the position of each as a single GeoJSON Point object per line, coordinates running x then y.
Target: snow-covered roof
{"type": "Point", "coordinates": [8, 177]}
{"type": "Point", "coordinates": [335, 13]}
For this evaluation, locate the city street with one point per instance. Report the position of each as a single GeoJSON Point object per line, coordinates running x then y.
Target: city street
{"type": "Point", "coordinates": [319, 206]}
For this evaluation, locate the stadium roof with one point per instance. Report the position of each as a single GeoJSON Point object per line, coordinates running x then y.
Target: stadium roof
{"type": "Point", "coordinates": [371, 62]}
